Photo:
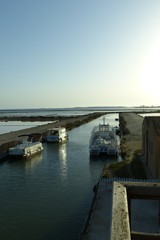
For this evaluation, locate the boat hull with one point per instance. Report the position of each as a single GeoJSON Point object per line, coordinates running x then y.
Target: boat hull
{"type": "Point", "coordinates": [24, 150]}
{"type": "Point", "coordinates": [56, 135]}
{"type": "Point", "coordinates": [103, 141]}
{"type": "Point", "coordinates": [107, 153]}
{"type": "Point", "coordinates": [55, 139]}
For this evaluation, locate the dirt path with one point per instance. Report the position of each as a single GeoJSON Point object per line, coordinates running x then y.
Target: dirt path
{"type": "Point", "coordinates": [133, 140]}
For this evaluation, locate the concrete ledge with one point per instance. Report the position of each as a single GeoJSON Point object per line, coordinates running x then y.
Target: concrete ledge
{"type": "Point", "coordinates": [144, 236]}
{"type": "Point", "coordinates": [126, 222]}
{"type": "Point", "coordinates": [120, 217]}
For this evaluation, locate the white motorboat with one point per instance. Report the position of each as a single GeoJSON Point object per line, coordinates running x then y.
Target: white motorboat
{"type": "Point", "coordinates": [58, 134]}
{"type": "Point", "coordinates": [103, 141]}
{"type": "Point", "coordinates": [27, 145]}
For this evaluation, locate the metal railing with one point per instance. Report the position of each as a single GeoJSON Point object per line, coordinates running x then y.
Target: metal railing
{"type": "Point", "coordinates": [107, 183]}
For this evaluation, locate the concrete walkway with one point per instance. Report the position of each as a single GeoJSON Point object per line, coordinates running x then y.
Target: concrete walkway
{"type": "Point", "coordinates": [144, 216]}
{"type": "Point", "coordinates": [100, 224]}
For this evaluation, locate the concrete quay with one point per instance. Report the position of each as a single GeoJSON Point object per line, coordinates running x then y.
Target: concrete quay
{"type": "Point", "coordinates": [98, 224]}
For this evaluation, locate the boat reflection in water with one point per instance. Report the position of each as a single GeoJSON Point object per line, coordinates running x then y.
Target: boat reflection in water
{"type": "Point", "coordinates": [34, 161]}
{"type": "Point", "coordinates": [27, 163]}
{"type": "Point", "coordinates": [63, 160]}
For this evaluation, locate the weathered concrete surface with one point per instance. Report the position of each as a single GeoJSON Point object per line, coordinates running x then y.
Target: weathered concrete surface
{"type": "Point", "coordinates": [100, 224]}
{"type": "Point", "coordinates": [120, 216]}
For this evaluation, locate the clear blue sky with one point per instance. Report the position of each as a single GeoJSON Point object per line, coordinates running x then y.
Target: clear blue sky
{"type": "Point", "coordinates": [68, 53]}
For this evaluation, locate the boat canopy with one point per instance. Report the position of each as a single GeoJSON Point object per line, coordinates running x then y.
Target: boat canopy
{"type": "Point", "coordinates": [30, 135]}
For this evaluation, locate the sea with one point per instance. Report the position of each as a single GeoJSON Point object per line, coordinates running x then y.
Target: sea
{"type": "Point", "coordinates": [72, 111]}
{"type": "Point", "coordinates": [48, 196]}
{"type": "Point", "coordinates": [8, 126]}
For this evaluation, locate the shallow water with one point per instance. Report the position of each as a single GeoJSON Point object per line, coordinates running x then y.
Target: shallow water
{"type": "Point", "coordinates": [10, 126]}
{"type": "Point", "coordinates": [49, 195]}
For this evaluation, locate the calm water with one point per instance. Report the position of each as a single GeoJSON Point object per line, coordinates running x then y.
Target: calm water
{"type": "Point", "coordinates": [49, 196]}
{"type": "Point", "coordinates": [70, 111]}
{"type": "Point", "coordinates": [9, 126]}
{"type": "Point", "coordinates": [150, 115]}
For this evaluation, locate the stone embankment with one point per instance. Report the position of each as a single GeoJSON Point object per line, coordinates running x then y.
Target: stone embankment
{"type": "Point", "coordinates": [9, 139]}
{"type": "Point", "coordinates": [131, 145]}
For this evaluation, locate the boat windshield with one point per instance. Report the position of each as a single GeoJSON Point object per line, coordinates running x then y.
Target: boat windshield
{"type": "Point", "coordinates": [55, 132]}
{"type": "Point", "coordinates": [103, 128]}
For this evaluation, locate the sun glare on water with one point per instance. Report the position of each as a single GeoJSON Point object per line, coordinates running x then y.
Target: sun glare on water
{"type": "Point", "coordinates": [151, 74]}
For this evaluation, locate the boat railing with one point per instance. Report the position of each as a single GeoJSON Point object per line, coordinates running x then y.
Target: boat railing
{"type": "Point", "coordinates": [107, 183]}
{"type": "Point", "coordinates": [104, 131]}
{"type": "Point", "coordinates": [93, 134]}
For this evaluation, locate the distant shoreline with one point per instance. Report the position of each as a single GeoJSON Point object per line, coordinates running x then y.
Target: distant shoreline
{"type": "Point", "coordinates": [46, 118]}
{"type": "Point", "coordinates": [54, 112]}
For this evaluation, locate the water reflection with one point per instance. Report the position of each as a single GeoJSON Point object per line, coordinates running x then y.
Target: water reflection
{"type": "Point", "coordinates": [63, 160]}
{"type": "Point", "coordinates": [32, 162]}
{"type": "Point", "coordinates": [27, 163]}
{"type": "Point", "coordinates": [104, 158]}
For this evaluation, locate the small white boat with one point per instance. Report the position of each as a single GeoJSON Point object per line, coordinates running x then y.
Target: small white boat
{"type": "Point", "coordinates": [58, 134]}
{"type": "Point", "coordinates": [28, 146]}
{"type": "Point", "coordinates": [103, 141]}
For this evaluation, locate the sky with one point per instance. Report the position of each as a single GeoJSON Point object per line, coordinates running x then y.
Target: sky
{"type": "Point", "coordinates": [79, 53]}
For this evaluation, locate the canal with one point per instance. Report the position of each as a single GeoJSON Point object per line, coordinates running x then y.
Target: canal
{"type": "Point", "coordinates": [49, 196]}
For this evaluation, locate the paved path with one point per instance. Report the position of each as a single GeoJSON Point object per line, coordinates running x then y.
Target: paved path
{"type": "Point", "coordinates": [100, 225]}
{"type": "Point", "coordinates": [133, 140]}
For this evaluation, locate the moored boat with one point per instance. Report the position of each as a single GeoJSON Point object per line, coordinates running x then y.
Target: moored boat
{"type": "Point", "coordinates": [58, 134]}
{"type": "Point", "coordinates": [103, 141]}
{"type": "Point", "coordinates": [28, 145]}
